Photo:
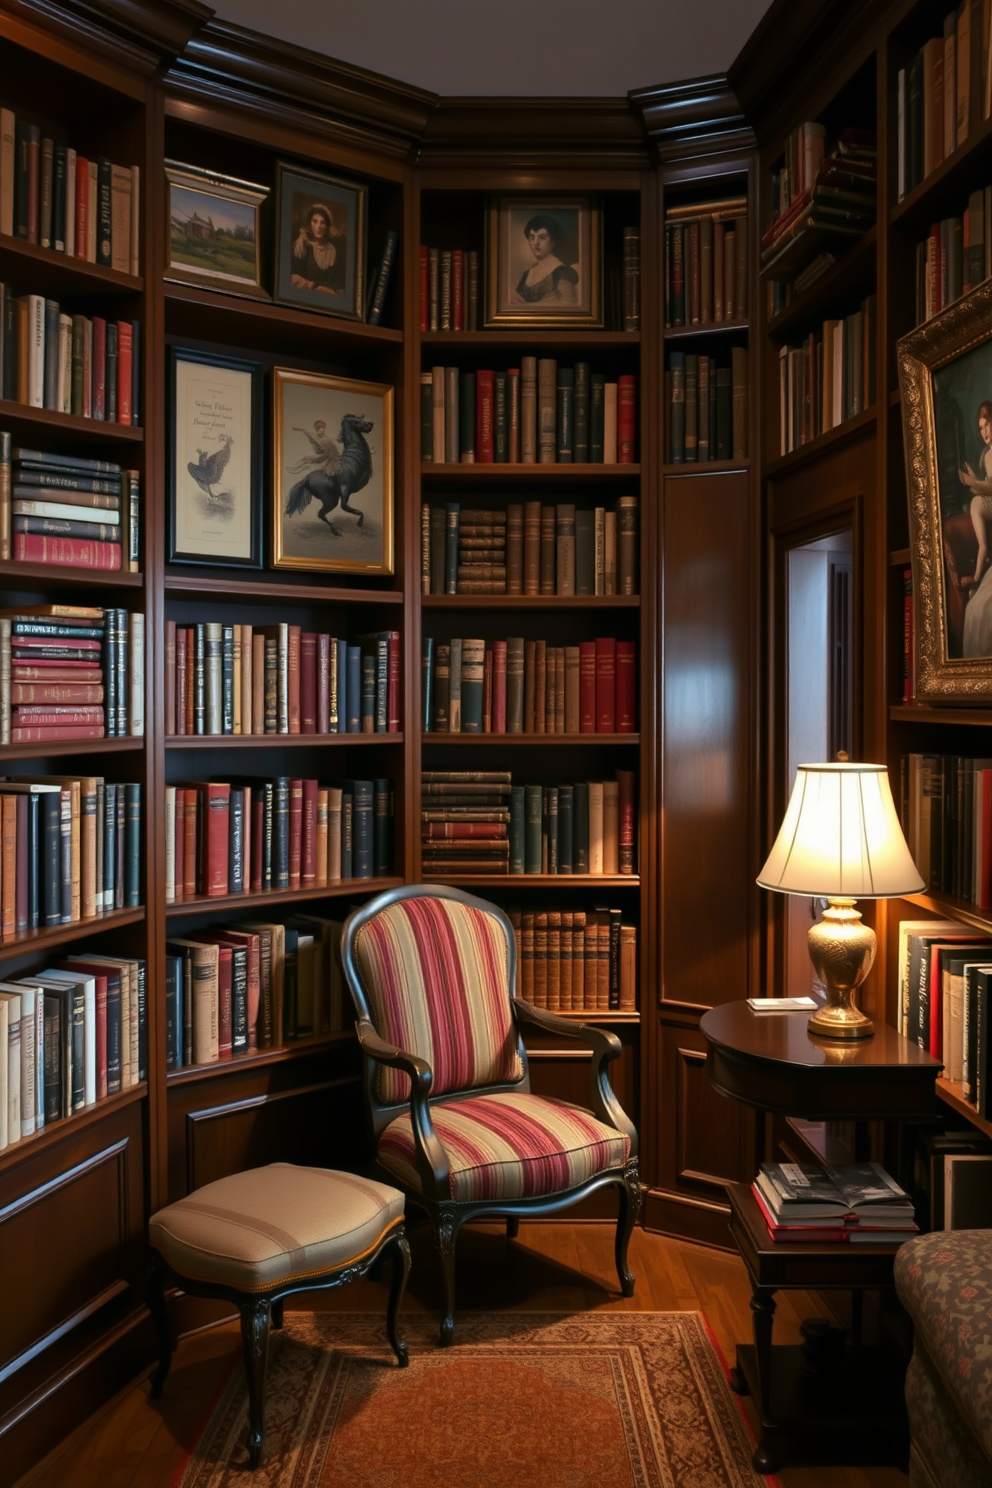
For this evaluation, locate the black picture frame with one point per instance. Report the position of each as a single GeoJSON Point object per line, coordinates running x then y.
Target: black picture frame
{"type": "Point", "coordinates": [204, 408]}
{"type": "Point", "coordinates": [300, 194]}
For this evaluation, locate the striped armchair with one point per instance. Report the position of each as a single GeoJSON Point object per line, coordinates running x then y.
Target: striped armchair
{"type": "Point", "coordinates": [432, 972]}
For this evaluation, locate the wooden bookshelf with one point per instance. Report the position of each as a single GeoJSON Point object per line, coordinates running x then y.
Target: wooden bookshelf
{"type": "Point", "coordinates": [513, 475]}
{"type": "Point", "coordinates": [210, 904]}
{"type": "Point", "coordinates": [50, 936]}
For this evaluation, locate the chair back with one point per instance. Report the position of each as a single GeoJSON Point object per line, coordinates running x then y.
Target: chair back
{"type": "Point", "coordinates": [434, 969]}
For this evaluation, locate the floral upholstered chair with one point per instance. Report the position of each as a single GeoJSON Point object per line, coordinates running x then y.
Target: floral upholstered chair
{"type": "Point", "coordinates": [432, 973]}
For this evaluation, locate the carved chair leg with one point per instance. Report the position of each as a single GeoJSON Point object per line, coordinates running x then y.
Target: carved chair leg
{"type": "Point", "coordinates": [160, 1317]}
{"type": "Point", "coordinates": [277, 1312]}
{"type": "Point", "coordinates": [512, 1226]}
{"type": "Point", "coordinates": [630, 1207]}
{"type": "Point", "coordinates": [255, 1345]}
{"type": "Point", "coordinates": [400, 1251]}
{"type": "Point", "coordinates": [445, 1235]}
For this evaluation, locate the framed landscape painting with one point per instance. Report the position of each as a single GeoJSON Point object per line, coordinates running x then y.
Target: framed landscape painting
{"type": "Point", "coordinates": [332, 486]}
{"type": "Point", "coordinates": [544, 261]}
{"type": "Point", "coordinates": [945, 382]}
{"type": "Point", "coordinates": [214, 239]}
{"type": "Point", "coordinates": [320, 243]}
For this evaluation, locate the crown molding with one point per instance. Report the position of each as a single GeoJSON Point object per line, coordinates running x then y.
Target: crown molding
{"type": "Point", "coordinates": [692, 118]}
{"type": "Point", "coordinates": [530, 133]}
{"type": "Point", "coordinates": [139, 34]}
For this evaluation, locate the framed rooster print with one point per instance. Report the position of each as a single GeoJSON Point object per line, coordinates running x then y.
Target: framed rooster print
{"type": "Point", "coordinates": [332, 478]}
{"type": "Point", "coordinates": [214, 459]}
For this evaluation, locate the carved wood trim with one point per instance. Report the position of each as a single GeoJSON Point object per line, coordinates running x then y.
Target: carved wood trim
{"type": "Point", "coordinates": [693, 118]}
{"type": "Point", "coordinates": [137, 34]}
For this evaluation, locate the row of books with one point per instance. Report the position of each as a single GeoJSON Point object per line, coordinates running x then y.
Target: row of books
{"type": "Point", "coordinates": [85, 365]}
{"type": "Point", "coordinates": [706, 408]}
{"type": "Point", "coordinates": [942, 1002]}
{"type": "Point", "coordinates": [69, 850]}
{"type": "Point", "coordinates": [252, 985]}
{"type": "Point", "coordinates": [946, 814]}
{"type": "Point", "coordinates": [70, 1036]}
{"type": "Point", "coordinates": [829, 378]}
{"type": "Point", "coordinates": [53, 196]}
{"type": "Point", "coordinates": [537, 413]}
{"type": "Point", "coordinates": [706, 263]}
{"type": "Point", "coordinates": [71, 676]}
{"type": "Point", "coordinates": [258, 836]}
{"type": "Point", "coordinates": [520, 686]}
{"type": "Point", "coordinates": [279, 679]}
{"type": "Point", "coordinates": [575, 960]}
{"type": "Point", "coordinates": [68, 510]}
{"type": "Point", "coordinates": [955, 257]}
{"type": "Point", "coordinates": [823, 195]}
{"type": "Point", "coordinates": [951, 1179]}
{"type": "Point", "coordinates": [478, 821]}
{"type": "Point", "coordinates": [943, 94]}
{"type": "Point", "coordinates": [449, 289]}
{"type": "Point", "coordinates": [857, 1204]}
{"type": "Point", "coordinates": [529, 548]}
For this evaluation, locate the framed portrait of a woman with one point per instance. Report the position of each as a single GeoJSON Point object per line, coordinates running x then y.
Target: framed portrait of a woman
{"type": "Point", "coordinates": [544, 261]}
{"type": "Point", "coordinates": [320, 243]}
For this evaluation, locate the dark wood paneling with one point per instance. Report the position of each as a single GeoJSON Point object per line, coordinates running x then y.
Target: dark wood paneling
{"type": "Point", "coordinates": [564, 1072]}
{"type": "Point", "coordinates": [706, 1135]}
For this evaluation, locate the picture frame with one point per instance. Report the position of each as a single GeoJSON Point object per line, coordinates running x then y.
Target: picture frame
{"type": "Point", "coordinates": [214, 498]}
{"type": "Point", "coordinates": [320, 242]}
{"type": "Point", "coordinates": [332, 478]}
{"type": "Point", "coordinates": [544, 260]}
{"type": "Point", "coordinates": [945, 384]}
{"type": "Point", "coordinates": [214, 231]}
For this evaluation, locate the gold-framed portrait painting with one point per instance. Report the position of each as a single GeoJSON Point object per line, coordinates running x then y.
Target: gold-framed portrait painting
{"type": "Point", "coordinates": [945, 384]}
{"type": "Point", "coordinates": [332, 487]}
{"type": "Point", "coordinates": [544, 261]}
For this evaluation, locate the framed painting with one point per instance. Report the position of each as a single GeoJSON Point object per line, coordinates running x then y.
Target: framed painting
{"type": "Point", "coordinates": [214, 239]}
{"type": "Point", "coordinates": [544, 261]}
{"type": "Point", "coordinates": [214, 459]}
{"type": "Point", "coordinates": [320, 243]}
{"type": "Point", "coordinates": [332, 483]}
{"type": "Point", "coordinates": [945, 383]}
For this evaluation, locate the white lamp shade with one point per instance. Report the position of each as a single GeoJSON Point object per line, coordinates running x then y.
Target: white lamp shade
{"type": "Point", "coordinates": [841, 837]}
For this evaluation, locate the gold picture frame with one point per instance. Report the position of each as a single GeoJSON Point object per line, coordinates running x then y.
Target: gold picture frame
{"type": "Point", "coordinates": [544, 260]}
{"type": "Point", "coordinates": [214, 231]}
{"type": "Point", "coordinates": [332, 478]}
{"type": "Point", "coordinates": [945, 384]}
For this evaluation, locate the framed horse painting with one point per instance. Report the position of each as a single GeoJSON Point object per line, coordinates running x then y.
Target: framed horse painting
{"type": "Point", "coordinates": [332, 485]}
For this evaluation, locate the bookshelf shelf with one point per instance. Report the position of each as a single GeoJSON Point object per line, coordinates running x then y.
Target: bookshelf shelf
{"type": "Point", "coordinates": [54, 1131]}
{"type": "Point", "coordinates": [942, 190]}
{"type": "Point", "coordinates": [525, 336]}
{"type": "Point", "coordinates": [920, 713]}
{"type": "Point", "coordinates": [529, 739]}
{"type": "Point", "coordinates": [706, 467]}
{"type": "Point", "coordinates": [595, 1015]}
{"type": "Point", "coordinates": [537, 880]}
{"type": "Point", "coordinates": [56, 935]}
{"type": "Point", "coordinates": [203, 905]}
{"type": "Point", "coordinates": [859, 427]}
{"type": "Point", "coordinates": [957, 909]}
{"type": "Point", "coordinates": [950, 1093]}
{"type": "Point", "coordinates": [899, 557]}
{"type": "Point", "coordinates": [266, 591]}
{"type": "Point", "coordinates": [844, 279]}
{"type": "Point", "coordinates": [261, 326]}
{"type": "Point", "coordinates": [25, 575]}
{"type": "Point", "coordinates": [52, 747]}
{"type": "Point", "coordinates": [676, 334]}
{"type": "Point", "coordinates": [530, 601]}
{"type": "Point", "coordinates": [275, 741]}
{"type": "Point", "coordinates": [478, 474]}
{"type": "Point", "coordinates": [193, 1074]}
{"type": "Point", "coordinates": [56, 272]}
{"type": "Point", "coordinates": [24, 421]}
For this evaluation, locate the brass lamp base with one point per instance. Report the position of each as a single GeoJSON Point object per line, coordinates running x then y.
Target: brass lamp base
{"type": "Point", "coordinates": [842, 951]}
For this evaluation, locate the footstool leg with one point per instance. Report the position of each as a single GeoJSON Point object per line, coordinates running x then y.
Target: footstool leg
{"type": "Point", "coordinates": [160, 1317]}
{"type": "Point", "coordinates": [255, 1344]}
{"type": "Point", "coordinates": [401, 1270]}
{"type": "Point", "coordinates": [445, 1235]}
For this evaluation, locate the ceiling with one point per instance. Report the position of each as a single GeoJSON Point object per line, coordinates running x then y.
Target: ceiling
{"type": "Point", "coordinates": [515, 48]}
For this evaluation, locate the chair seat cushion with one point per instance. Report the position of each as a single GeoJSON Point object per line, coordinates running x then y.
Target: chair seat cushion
{"type": "Point", "coordinates": [509, 1145]}
{"type": "Point", "coordinates": [269, 1225]}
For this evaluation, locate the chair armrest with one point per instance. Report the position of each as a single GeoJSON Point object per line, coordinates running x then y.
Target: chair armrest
{"type": "Point", "coordinates": [432, 1160]}
{"type": "Point", "coordinates": [605, 1048]}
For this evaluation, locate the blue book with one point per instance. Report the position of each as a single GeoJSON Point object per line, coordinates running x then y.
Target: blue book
{"type": "Point", "coordinates": [354, 690]}
{"type": "Point", "coordinates": [363, 856]}
{"type": "Point", "coordinates": [342, 727]}
{"type": "Point", "coordinates": [427, 683]}
{"type": "Point", "coordinates": [451, 525]}
{"type": "Point", "coordinates": [347, 831]}
{"type": "Point", "coordinates": [132, 844]}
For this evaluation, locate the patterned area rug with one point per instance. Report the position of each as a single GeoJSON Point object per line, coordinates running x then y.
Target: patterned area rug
{"type": "Point", "coordinates": [523, 1400]}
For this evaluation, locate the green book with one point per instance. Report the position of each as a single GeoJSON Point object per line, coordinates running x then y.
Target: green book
{"type": "Point", "coordinates": [580, 409]}
{"type": "Point", "coordinates": [427, 681]}
{"type": "Point", "coordinates": [566, 408]}
{"type": "Point", "coordinates": [597, 416]}
{"type": "Point", "coordinates": [585, 551]}
{"type": "Point", "coordinates": [473, 675]}
{"type": "Point", "coordinates": [533, 816]}
{"type": "Point", "coordinates": [518, 814]}
{"type": "Point", "coordinates": [455, 705]}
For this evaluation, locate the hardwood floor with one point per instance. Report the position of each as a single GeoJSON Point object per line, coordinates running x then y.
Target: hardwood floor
{"type": "Point", "coordinates": [136, 1443]}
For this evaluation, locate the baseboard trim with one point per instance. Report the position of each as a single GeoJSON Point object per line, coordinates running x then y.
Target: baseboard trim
{"type": "Point", "coordinates": [685, 1218]}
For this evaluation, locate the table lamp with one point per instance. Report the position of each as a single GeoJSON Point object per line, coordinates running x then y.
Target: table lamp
{"type": "Point", "coordinates": [841, 840]}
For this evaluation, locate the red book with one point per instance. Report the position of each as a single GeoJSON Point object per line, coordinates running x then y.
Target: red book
{"type": "Point", "coordinates": [308, 683]}
{"type": "Point", "coordinates": [499, 687]}
{"type": "Point", "coordinates": [626, 418]}
{"type": "Point", "coordinates": [82, 206]}
{"type": "Point", "coordinates": [179, 843]}
{"type": "Point", "coordinates": [100, 978]}
{"type": "Point", "coordinates": [125, 371]}
{"type": "Point", "coordinates": [215, 799]}
{"type": "Point", "coordinates": [606, 685]}
{"type": "Point", "coordinates": [41, 735]}
{"type": "Point", "coordinates": [71, 552]}
{"type": "Point", "coordinates": [424, 287]}
{"type": "Point", "coordinates": [42, 670]}
{"type": "Point", "coordinates": [55, 693]}
{"type": "Point", "coordinates": [295, 833]}
{"type": "Point", "coordinates": [191, 822]}
{"type": "Point", "coordinates": [484, 418]}
{"type": "Point", "coordinates": [225, 1012]}
{"type": "Point", "coordinates": [393, 684]}
{"type": "Point", "coordinates": [323, 684]}
{"type": "Point", "coordinates": [626, 833]}
{"type": "Point", "coordinates": [180, 699]}
{"type": "Point", "coordinates": [98, 402]}
{"type": "Point", "coordinates": [21, 863]}
{"type": "Point", "coordinates": [64, 643]}
{"type": "Point", "coordinates": [626, 688]}
{"type": "Point", "coordinates": [257, 834]}
{"type": "Point", "coordinates": [56, 717]}
{"type": "Point", "coordinates": [252, 943]}
{"type": "Point", "coordinates": [457, 290]}
{"type": "Point", "coordinates": [587, 687]}
{"type": "Point", "coordinates": [293, 679]}
{"type": "Point", "coordinates": [464, 831]}
{"type": "Point", "coordinates": [309, 874]}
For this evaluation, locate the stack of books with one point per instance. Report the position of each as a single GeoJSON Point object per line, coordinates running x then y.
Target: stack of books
{"type": "Point", "coordinates": [71, 1036]}
{"type": "Point", "coordinates": [539, 413]}
{"type": "Point", "coordinates": [945, 977]}
{"type": "Point", "coordinates": [829, 378]}
{"type": "Point", "coordinates": [576, 959]}
{"type": "Point", "coordinates": [251, 985]}
{"type": "Point", "coordinates": [67, 510]}
{"type": "Point", "coordinates": [71, 672]}
{"type": "Point", "coordinates": [279, 679]}
{"type": "Point", "coordinates": [520, 686]}
{"type": "Point", "coordinates": [943, 96]}
{"type": "Point", "coordinates": [75, 364]}
{"type": "Point", "coordinates": [858, 1204]}
{"type": "Point", "coordinates": [956, 256]}
{"type": "Point", "coordinates": [822, 197]}
{"type": "Point", "coordinates": [706, 263]}
{"type": "Point", "coordinates": [69, 850]}
{"type": "Point", "coordinates": [706, 408]}
{"type": "Point", "coordinates": [264, 835]}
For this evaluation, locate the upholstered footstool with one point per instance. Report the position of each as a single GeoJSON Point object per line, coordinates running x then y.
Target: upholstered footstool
{"type": "Point", "coordinates": [255, 1237]}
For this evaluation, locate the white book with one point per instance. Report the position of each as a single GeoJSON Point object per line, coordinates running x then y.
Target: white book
{"type": "Point", "coordinates": [10, 1056]}
{"type": "Point", "coordinates": [7, 147]}
{"type": "Point", "coordinates": [88, 984]}
{"type": "Point", "coordinates": [36, 351]}
{"type": "Point", "coordinates": [29, 1061]}
{"type": "Point", "coordinates": [595, 826]}
{"type": "Point", "coordinates": [135, 219]}
{"type": "Point", "coordinates": [93, 210]}
{"type": "Point", "coordinates": [4, 680]}
{"type": "Point", "coordinates": [901, 134]}
{"type": "Point", "coordinates": [21, 507]}
{"type": "Point", "coordinates": [136, 675]}
{"type": "Point", "coordinates": [170, 844]}
{"type": "Point", "coordinates": [610, 424]}
{"type": "Point", "coordinates": [64, 392]}
{"type": "Point", "coordinates": [212, 678]}
{"type": "Point", "coordinates": [39, 1062]}
{"type": "Point", "coordinates": [70, 202]}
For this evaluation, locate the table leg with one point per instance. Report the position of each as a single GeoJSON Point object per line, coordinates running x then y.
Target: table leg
{"type": "Point", "coordinates": [765, 1460]}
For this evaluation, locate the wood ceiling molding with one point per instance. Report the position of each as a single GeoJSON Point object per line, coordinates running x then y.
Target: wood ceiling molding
{"type": "Point", "coordinates": [693, 118]}
{"type": "Point", "coordinates": [535, 133]}
{"type": "Point", "coordinates": [139, 34]}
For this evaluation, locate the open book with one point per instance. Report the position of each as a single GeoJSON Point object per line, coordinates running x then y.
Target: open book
{"type": "Point", "coordinates": [864, 1191]}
